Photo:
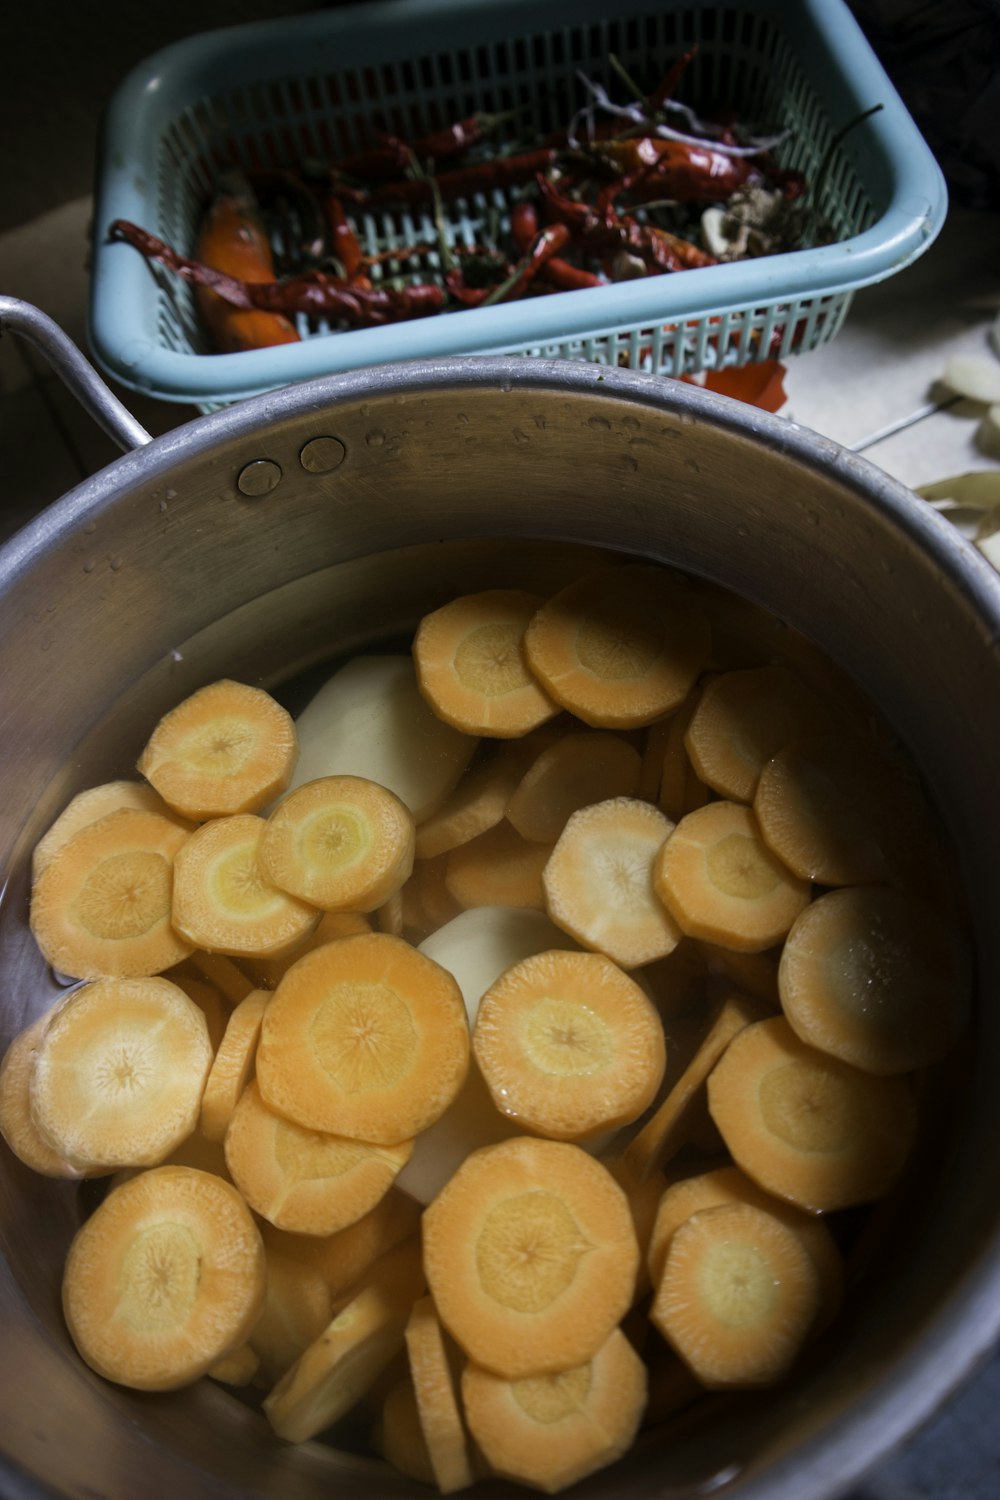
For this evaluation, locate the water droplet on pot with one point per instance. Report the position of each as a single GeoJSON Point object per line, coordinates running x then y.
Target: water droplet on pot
{"type": "Point", "coordinates": [90, 527]}
{"type": "Point", "coordinates": [462, 417]}
{"type": "Point", "coordinates": [693, 465]}
{"type": "Point", "coordinates": [629, 463]}
{"type": "Point", "coordinates": [375, 438]}
{"type": "Point", "coordinates": [115, 563]}
{"type": "Point", "coordinates": [597, 423]}
{"type": "Point", "coordinates": [89, 565]}
{"type": "Point", "coordinates": [520, 436]}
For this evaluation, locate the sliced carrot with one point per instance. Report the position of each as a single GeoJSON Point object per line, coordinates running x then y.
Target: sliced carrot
{"type": "Point", "coordinates": [427, 902]}
{"type": "Point", "coordinates": [232, 1066]}
{"type": "Point", "coordinates": [17, 1125]}
{"type": "Point", "coordinates": [119, 1073]}
{"type": "Point", "coordinates": [499, 868]}
{"type": "Point", "coordinates": [680, 791]}
{"type": "Point", "coordinates": [399, 1435]}
{"type": "Point", "coordinates": [344, 1258]}
{"type": "Point", "coordinates": [102, 905]}
{"type": "Point", "coordinates": [477, 804]}
{"type": "Point", "coordinates": [598, 881]}
{"type": "Point", "coordinates": [808, 1127]}
{"type": "Point", "coordinates": [93, 803]}
{"type": "Point", "coordinates": [663, 1135]}
{"type": "Point", "coordinates": [576, 771]}
{"type": "Point", "coordinates": [690, 1195]}
{"type": "Point", "coordinates": [305, 1180]}
{"type": "Point", "coordinates": [232, 239]}
{"type": "Point", "coordinates": [165, 1278]}
{"type": "Point", "coordinates": [531, 1256]}
{"type": "Point", "coordinates": [619, 648]}
{"type": "Point", "coordinates": [817, 804]}
{"type": "Point", "coordinates": [370, 719]}
{"type": "Point", "coordinates": [227, 749]}
{"type": "Point", "coordinates": [569, 1045]}
{"type": "Point", "coordinates": [644, 1194]}
{"type": "Point", "coordinates": [721, 883]}
{"type": "Point", "coordinates": [210, 1001]}
{"type": "Point", "coordinates": [226, 976]}
{"type": "Point", "coordinates": [549, 1431]}
{"type": "Point", "coordinates": [737, 1296]}
{"type": "Point", "coordinates": [389, 915]}
{"type": "Point", "coordinates": [237, 1368]}
{"type": "Point", "coordinates": [268, 972]}
{"type": "Point", "coordinates": [342, 843]}
{"type": "Point", "coordinates": [434, 1366]}
{"type": "Point", "coordinates": [365, 1038]}
{"type": "Point", "coordinates": [223, 901]}
{"type": "Point", "coordinates": [298, 1305]}
{"type": "Point", "coordinates": [471, 667]}
{"type": "Point", "coordinates": [742, 719]}
{"type": "Point", "coordinates": [342, 1363]}
{"type": "Point", "coordinates": [873, 976]}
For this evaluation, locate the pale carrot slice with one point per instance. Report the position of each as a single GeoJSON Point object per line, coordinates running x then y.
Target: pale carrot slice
{"type": "Point", "coordinates": [619, 648]}
{"type": "Point", "coordinates": [345, 1258]}
{"type": "Point", "coordinates": [195, 1150]}
{"type": "Point", "coordinates": [499, 868]}
{"type": "Point", "coordinates": [721, 883]}
{"type": "Point", "coordinates": [342, 843]}
{"type": "Point", "coordinates": [569, 1045]}
{"type": "Point", "coordinates": [93, 803]}
{"type": "Point", "coordinates": [223, 901]}
{"type": "Point", "coordinates": [435, 1369]}
{"type": "Point", "coordinates": [576, 771]}
{"type": "Point", "coordinates": [663, 1135]}
{"type": "Point", "coordinates": [232, 1066]}
{"type": "Point", "coordinates": [298, 1305]}
{"type": "Point", "coordinates": [102, 905]}
{"type": "Point", "coordinates": [598, 881]}
{"type": "Point", "coordinates": [531, 1256]}
{"type": "Point", "coordinates": [808, 1127]}
{"type": "Point", "coordinates": [17, 1125]}
{"type": "Point", "coordinates": [228, 748]}
{"type": "Point", "coordinates": [268, 972]}
{"type": "Point", "coordinates": [471, 668]}
{"type": "Point", "coordinates": [119, 1073]}
{"type": "Point", "coordinates": [365, 1038]}
{"type": "Point", "coordinates": [342, 1363]}
{"type": "Point", "coordinates": [164, 1279]}
{"type": "Point", "coordinates": [737, 1296]}
{"type": "Point", "coordinates": [477, 804]}
{"type": "Point", "coordinates": [873, 976]}
{"type": "Point", "coordinates": [305, 1180]}
{"type": "Point", "coordinates": [389, 915]}
{"type": "Point", "coordinates": [729, 1185]}
{"type": "Point", "coordinates": [818, 805]}
{"type": "Point", "coordinates": [644, 1194]}
{"type": "Point", "coordinates": [370, 719]}
{"type": "Point", "coordinates": [549, 1431]}
{"type": "Point", "coordinates": [427, 902]}
{"type": "Point", "coordinates": [226, 976]}
{"type": "Point", "coordinates": [742, 719]}
{"type": "Point", "coordinates": [399, 1436]}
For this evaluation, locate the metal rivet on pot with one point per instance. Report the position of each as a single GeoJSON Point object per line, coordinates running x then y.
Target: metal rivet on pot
{"type": "Point", "coordinates": [322, 454]}
{"type": "Point", "coordinates": [258, 478]}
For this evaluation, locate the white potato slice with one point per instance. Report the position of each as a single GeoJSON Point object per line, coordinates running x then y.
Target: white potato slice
{"type": "Point", "coordinates": [972, 376]}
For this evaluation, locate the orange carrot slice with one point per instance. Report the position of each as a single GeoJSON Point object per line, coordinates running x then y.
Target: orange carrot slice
{"type": "Point", "coordinates": [341, 843]}
{"type": "Point", "coordinates": [873, 976]}
{"type": "Point", "coordinates": [164, 1279]}
{"type": "Point", "coordinates": [365, 1038]}
{"type": "Point", "coordinates": [17, 1126]}
{"type": "Point", "coordinates": [531, 1256]}
{"type": "Point", "coordinates": [232, 1066]}
{"type": "Point", "coordinates": [578, 770]}
{"type": "Point", "coordinates": [102, 904]}
{"type": "Point", "coordinates": [477, 804]}
{"type": "Point", "coordinates": [549, 1431]}
{"type": "Point", "coordinates": [93, 803]}
{"type": "Point", "coordinates": [619, 648]}
{"type": "Point", "coordinates": [742, 719]}
{"type": "Point", "coordinates": [569, 1045]}
{"type": "Point", "coordinates": [737, 1296]}
{"type": "Point", "coordinates": [268, 972]}
{"type": "Point", "coordinates": [434, 1367]}
{"type": "Point", "coordinates": [499, 868]}
{"type": "Point", "coordinates": [471, 668]}
{"type": "Point", "coordinates": [808, 1127]}
{"type": "Point", "coordinates": [223, 901]}
{"type": "Point", "coordinates": [721, 883]}
{"type": "Point", "coordinates": [305, 1180]}
{"type": "Point", "coordinates": [227, 749]}
{"type": "Point", "coordinates": [598, 881]}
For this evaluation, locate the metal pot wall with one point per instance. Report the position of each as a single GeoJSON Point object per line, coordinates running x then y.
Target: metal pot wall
{"type": "Point", "coordinates": [297, 526]}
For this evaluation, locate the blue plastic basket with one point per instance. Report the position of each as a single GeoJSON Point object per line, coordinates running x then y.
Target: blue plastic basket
{"type": "Point", "coordinates": [271, 94]}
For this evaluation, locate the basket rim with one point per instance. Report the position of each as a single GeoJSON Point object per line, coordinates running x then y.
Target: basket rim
{"type": "Point", "coordinates": [122, 322]}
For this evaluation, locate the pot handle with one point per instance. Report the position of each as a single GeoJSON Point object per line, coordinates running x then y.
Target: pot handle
{"type": "Point", "coordinates": [76, 372]}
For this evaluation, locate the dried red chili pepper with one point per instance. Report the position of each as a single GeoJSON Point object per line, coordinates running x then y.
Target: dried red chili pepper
{"type": "Point", "coordinates": [674, 169]}
{"type": "Point", "coordinates": [314, 293]}
{"type": "Point", "coordinates": [462, 182]}
{"type": "Point", "coordinates": [344, 242]}
{"type": "Point", "coordinates": [559, 273]}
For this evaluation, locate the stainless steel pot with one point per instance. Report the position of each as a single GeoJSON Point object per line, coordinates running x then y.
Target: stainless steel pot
{"type": "Point", "coordinates": [302, 524]}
